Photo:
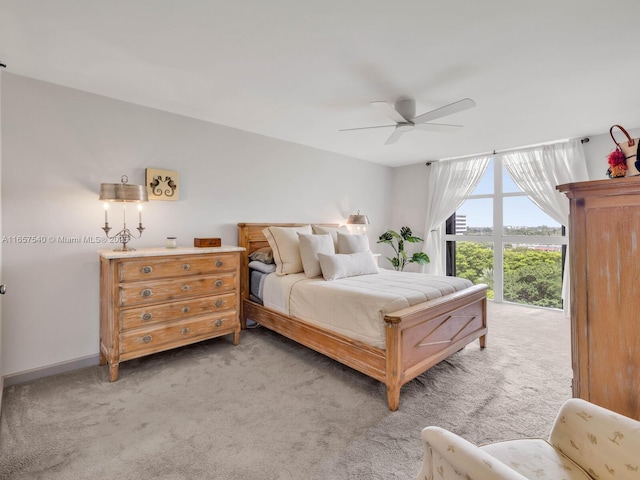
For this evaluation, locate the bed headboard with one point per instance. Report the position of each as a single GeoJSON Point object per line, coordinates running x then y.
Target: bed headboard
{"type": "Point", "coordinates": [250, 237]}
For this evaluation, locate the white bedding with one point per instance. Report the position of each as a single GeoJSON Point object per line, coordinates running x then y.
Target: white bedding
{"type": "Point", "coordinates": [355, 306]}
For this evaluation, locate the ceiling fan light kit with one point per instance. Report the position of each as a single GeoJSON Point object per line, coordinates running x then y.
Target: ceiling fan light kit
{"type": "Point", "coordinates": [403, 112]}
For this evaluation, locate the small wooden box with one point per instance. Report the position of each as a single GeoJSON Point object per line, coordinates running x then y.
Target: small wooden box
{"type": "Point", "coordinates": [207, 242]}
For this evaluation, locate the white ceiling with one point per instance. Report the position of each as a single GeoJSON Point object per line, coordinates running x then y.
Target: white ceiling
{"type": "Point", "coordinates": [300, 70]}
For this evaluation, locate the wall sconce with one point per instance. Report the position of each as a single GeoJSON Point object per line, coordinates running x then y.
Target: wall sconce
{"type": "Point", "coordinates": [358, 220]}
{"type": "Point", "coordinates": [123, 192]}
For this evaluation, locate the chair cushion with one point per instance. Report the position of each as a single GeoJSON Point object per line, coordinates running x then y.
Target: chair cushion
{"type": "Point", "coordinates": [536, 459]}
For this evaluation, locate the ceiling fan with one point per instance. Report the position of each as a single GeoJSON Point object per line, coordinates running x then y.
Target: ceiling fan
{"type": "Point", "coordinates": [403, 112]}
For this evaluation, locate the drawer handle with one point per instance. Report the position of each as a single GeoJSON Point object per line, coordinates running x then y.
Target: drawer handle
{"type": "Point", "coordinates": [219, 263]}
{"type": "Point", "coordinates": [147, 292]}
{"type": "Point", "coordinates": [186, 266]}
{"type": "Point", "coordinates": [184, 331]}
{"type": "Point", "coordinates": [185, 309]}
{"type": "Point", "coordinates": [219, 283]}
{"type": "Point", "coordinates": [147, 269]}
{"type": "Point", "coordinates": [218, 322]}
{"type": "Point", "coordinates": [146, 339]}
{"type": "Point", "coordinates": [147, 316]}
{"type": "Point", "coordinates": [185, 288]}
{"type": "Point", "coordinates": [219, 303]}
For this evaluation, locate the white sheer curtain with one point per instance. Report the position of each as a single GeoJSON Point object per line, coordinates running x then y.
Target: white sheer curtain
{"type": "Point", "coordinates": [448, 184]}
{"type": "Point", "coordinates": [537, 171]}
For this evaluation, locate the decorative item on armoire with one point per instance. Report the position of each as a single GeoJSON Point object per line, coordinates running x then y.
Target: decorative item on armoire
{"type": "Point", "coordinates": [617, 164]}
{"type": "Point", "coordinates": [629, 148]}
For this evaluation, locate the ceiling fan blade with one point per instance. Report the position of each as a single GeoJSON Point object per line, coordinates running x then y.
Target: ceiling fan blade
{"type": "Point", "coordinates": [395, 136]}
{"type": "Point", "coordinates": [365, 128]}
{"type": "Point", "coordinates": [438, 127]}
{"type": "Point", "coordinates": [450, 109]}
{"type": "Point", "coordinates": [389, 111]}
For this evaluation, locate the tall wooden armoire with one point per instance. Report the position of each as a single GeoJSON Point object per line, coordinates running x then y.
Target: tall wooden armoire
{"type": "Point", "coordinates": [605, 292]}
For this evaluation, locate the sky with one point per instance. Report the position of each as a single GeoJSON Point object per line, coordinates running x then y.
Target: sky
{"type": "Point", "coordinates": [518, 211]}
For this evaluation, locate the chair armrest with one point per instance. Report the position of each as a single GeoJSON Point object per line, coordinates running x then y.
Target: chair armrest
{"type": "Point", "coordinates": [449, 456]}
{"type": "Point", "coordinates": [597, 439]}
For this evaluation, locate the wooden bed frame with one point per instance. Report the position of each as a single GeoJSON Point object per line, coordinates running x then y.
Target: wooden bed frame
{"type": "Point", "coordinates": [418, 337]}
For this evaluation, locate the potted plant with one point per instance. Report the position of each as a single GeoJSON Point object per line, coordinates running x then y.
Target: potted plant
{"type": "Point", "coordinates": [397, 240]}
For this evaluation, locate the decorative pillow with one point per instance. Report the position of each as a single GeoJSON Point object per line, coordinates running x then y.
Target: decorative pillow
{"type": "Point", "coordinates": [264, 255]}
{"type": "Point", "coordinates": [310, 247]}
{"type": "Point", "coordinates": [262, 267]}
{"type": "Point", "coordinates": [286, 249]}
{"type": "Point", "coordinates": [342, 265]}
{"type": "Point", "coordinates": [352, 243]}
{"type": "Point", "coordinates": [333, 231]}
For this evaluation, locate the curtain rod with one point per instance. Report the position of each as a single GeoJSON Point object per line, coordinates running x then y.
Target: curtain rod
{"type": "Point", "coordinates": [495, 152]}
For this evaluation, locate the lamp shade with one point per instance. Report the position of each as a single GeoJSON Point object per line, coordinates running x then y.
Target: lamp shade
{"type": "Point", "coordinates": [358, 219]}
{"type": "Point", "coordinates": [123, 192]}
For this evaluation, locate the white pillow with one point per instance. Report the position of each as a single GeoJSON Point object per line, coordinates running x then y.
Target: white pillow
{"type": "Point", "coordinates": [286, 249]}
{"type": "Point", "coordinates": [310, 247]}
{"type": "Point", "coordinates": [342, 265]}
{"type": "Point", "coordinates": [352, 243]}
{"type": "Point", "coordinates": [262, 267]}
{"type": "Point", "coordinates": [333, 231]}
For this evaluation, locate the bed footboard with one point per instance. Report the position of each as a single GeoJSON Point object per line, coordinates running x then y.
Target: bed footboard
{"type": "Point", "coordinates": [419, 337]}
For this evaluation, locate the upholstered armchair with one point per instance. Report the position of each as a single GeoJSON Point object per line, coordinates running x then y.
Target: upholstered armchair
{"type": "Point", "coordinates": [587, 442]}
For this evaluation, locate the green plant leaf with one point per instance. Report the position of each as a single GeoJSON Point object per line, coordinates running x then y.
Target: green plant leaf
{"type": "Point", "coordinates": [386, 237]}
{"type": "Point", "coordinates": [420, 258]}
{"type": "Point", "coordinates": [413, 239]}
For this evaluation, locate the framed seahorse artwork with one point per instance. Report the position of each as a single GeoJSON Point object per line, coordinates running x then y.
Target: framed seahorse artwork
{"type": "Point", "coordinates": [162, 184]}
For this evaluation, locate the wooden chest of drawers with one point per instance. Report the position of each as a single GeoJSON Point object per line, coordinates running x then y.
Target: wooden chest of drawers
{"type": "Point", "coordinates": [157, 299]}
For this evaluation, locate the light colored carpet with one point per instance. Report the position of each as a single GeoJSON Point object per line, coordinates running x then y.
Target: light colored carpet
{"type": "Point", "coordinates": [272, 409]}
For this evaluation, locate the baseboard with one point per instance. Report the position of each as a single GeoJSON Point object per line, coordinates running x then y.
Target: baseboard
{"type": "Point", "coordinates": [42, 372]}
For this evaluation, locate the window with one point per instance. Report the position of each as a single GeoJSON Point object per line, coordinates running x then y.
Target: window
{"type": "Point", "coordinates": [498, 236]}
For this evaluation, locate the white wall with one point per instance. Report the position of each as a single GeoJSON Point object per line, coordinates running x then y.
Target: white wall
{"type": "Point", "coordinates": [409, 192]}
{"type": "Point", "coordinates": [1, 276]}
{"type": "Point", "coordinates": [59, 144]}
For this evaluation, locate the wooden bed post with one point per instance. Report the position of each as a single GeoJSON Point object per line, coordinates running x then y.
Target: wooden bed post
{"type": "Point", "coordinates": [394, 364]}
{"type": "Point", "coordinates": [243, 240]}
{"type": "Point", "coordinates": [483, 339]}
